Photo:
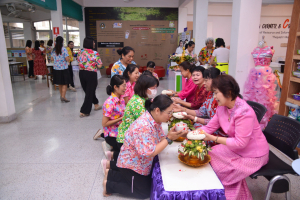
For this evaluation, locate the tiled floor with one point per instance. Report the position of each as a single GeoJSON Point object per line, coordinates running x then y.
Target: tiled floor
{"type": "Point", "coordinates": [48, 151]}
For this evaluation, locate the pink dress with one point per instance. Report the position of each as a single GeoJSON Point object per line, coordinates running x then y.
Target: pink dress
{"type": "Point", "coordinates": [188, 91]}
{"type": "Point", "coordinates": [129, 90]}
{"type": "Point", "coordinates": [245, 152]}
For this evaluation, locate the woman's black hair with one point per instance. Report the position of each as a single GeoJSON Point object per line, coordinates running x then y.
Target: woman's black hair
{"type": "Point", "coordinates": [198, 69]}
{"type": "Point", "coordinates": [88, 42]}
{"type": "Point", "coordinates": [151, 64]}
{"type": "Point", "coordinates": [189, 44]}
{"type": "Point", "coordinates": [220, 42]}
{"type": "Point", "coordinates": [125, 51]}
{"type": "Point", "coordinates": [42, 42]}
{"type": "Point", "coordinates": [227, 85]}
{"type": "Point", "coordinates": [144, 82]}
{"type": "Point", "coordinates": [115, 80]}
{"type": "Point", "coordinates": [211, 73]}
{"type": "Point", "coordinates": [70, 42]}
{"type": "Point", "coordinates": [28, 43]}
{"type": "Point", "coordinates": [130, 68]}
{"type": "Point", "coordinates": [161, 101]}
{"type": "Point", "coordinates": [50, 42]}
{"type": "Point", "coordinates": [187, 66]}
{"type": "Point", "coordinates": [179, 42]}
{"type": "Point", "coordinates": [147, 72]}
{"type": "Point", "coordinates": [36, 45]}
{"type": "Point", "coordinates": [58, 45]}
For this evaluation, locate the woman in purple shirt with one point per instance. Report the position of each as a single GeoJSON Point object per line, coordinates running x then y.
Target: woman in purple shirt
{"type": "Point", "coordinates": [245, 150]}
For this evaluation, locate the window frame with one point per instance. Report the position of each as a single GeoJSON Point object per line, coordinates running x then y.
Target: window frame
{"type": "Point", "coordinates": [13, 31]}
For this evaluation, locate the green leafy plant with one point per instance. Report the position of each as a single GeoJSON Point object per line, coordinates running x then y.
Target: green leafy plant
{"type": "Point", "coordinates": [196, 148]}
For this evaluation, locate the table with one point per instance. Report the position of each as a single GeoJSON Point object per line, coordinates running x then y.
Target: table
{"type": "Point", "coordinates": [172, 179]}
{"type": "Point", "coordinates": [14, 72]}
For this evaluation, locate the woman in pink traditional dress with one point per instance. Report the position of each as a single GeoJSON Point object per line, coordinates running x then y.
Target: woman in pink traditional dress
{"type": "Point", "coordinates": [39, 61]}
{"type": "Point", "coordinates": [190, 87]}
{"type": "Point", "coordinates": [245, 150]}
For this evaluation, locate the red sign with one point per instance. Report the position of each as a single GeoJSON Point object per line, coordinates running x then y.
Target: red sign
{"type": "Point", "coordinates": [56, 31]}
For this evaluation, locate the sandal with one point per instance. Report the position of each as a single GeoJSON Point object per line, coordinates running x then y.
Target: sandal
{"type": "Point", "coordinates": [98, 108]}
{"type": "Point", "coordinates": [98, 134]}
{"type": "Point", "coordinates": [83, 115]}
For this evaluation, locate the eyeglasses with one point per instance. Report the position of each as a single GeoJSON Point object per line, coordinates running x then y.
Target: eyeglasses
{"type": "Point", "coordinates": [169, 113]}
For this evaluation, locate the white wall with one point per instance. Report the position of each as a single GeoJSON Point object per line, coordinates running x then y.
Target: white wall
{"type": "Point", "coordinates": [219, 22]}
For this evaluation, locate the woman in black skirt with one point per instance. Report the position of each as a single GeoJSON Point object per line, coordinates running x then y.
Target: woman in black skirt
{"type": "Point", "coordinates": [61, 75]}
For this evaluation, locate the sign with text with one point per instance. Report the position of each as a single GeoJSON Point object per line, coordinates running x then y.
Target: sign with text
{"type": "Point", "coordinates": [152, 40]}
{"type": "Point", "coordinates": [56, 31]}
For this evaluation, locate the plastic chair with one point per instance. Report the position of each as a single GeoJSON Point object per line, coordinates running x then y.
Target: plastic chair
{"type": "Point", "coordinates": [284, 134]}
{"type": "Point", "coordinates": [260, 110]}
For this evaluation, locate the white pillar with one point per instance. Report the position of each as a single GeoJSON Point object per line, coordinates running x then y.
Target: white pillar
{"type": "Point", "coordinates": [82, 29]}
{"type": "Point", "coordinates": [200, 12]}
{"type": "Point", "coordinates": [29, 33]}
{"type": "Point", "coordinates": [7, 105]}
{"type": "Point", "coordinates": [244, 38]}
{"type": "Point", "coordinates": [57, 18]}
{"type": "Point", "coordinates": [182, 19]}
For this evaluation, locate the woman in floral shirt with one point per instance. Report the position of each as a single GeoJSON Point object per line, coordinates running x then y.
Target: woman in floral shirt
{"type": "Point", "coordinates": [143, 89]}
{"type": "Point", "coordinates": [208, 108]}
{"type": "Point", "coordinates": [200, 93]}
{"type": "Point", "coordinates": [207, 51]}
{"type": "Point", "coordinates": [28, 51]}
{"type": "Point", "coordinates": [131, 75]}
{"type": "Point", "coordinates": [89, 60]}
{"type": "Point", "coordinates": [151, 68]}
{"type": "Point", "coordinates": [144, 140]}
{"type": "Point", "coordinates": [127, 54]}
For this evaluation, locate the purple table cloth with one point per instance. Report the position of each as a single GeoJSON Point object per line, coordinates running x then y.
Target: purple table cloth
{"type": "Point", "coordinates": [158, 192]}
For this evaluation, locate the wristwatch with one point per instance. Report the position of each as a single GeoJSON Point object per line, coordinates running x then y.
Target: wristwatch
{"type": "Point", "coordinates": [169, 140]}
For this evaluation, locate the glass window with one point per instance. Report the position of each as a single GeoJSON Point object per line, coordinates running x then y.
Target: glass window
{"type": "Point", "coordinates": [65, 39]}
{"type": "Point", "coordinates": [18, 39]}
{"type": "Point", "coordinates": [45, 35]}
{"type": "Point", "coordinates": [64, 23]}
{"type": "Point", "coordinates": [74, 36]}
{"type": "Point", "coordinates": [7, 40]}
{"type": "Point", "coordinates": [42, 25]}
{"type": "Point", "coordinates": [15, 26]}
{"type": "Point", "coordinates": [72, 24]}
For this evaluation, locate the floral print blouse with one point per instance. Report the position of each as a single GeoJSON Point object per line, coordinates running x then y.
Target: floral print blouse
{"type": "Point", "coordinates": [204, 56]}
{"type": "Point", "coordinates": [209, 108]}
{"type": "Point", "coordinates": [129, 90]}
{"type": "Point", "coordinates": [118, 68]}
{"type": "Point", "coordinates": [88, 59]}
{"type": "Point", "coordinates": [155, 75]}
{"type": "Point", "coordinates": [28, 52]}
{"type": "Point", "coordinates": [139, 143]}
{"type": "Point", "coordinates": [113, 108]}
{"type": "Point", "coordinates": [134, 108]}
{"type": "Point", "coordinates": [199, 98]}
{"type": "Point", "coordinates": [48, 53]}
{"type": "Point", "coordinates": [60, 62]}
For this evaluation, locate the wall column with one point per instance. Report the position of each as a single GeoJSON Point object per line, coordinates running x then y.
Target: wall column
{"type": "Point", "coordinates": [244, 38]}
{"type": "Point", "coordinates": [182, 19]}
{"type": "Point", "coordinates": [57, 19]}
{"type": "Point", "coordinates": [7, 105]}
{"type": "Point", "coordinates": [82, 29]}
{"type": "Point", "coordinates": [200, 12]}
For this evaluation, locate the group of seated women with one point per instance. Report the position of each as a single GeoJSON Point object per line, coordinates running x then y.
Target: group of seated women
{"type": "Point", "coordinates": [132, 118]}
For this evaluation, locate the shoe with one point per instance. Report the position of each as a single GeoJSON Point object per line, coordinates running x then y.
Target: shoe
{"type": "Point", "coordinates": [108, 155]}
{"type": "Point", "coordinates": [64, 100]}
{"type": "Point", "coordinates": [98, 134]}
{"type": "Point", "coordinates": [105, 146]}
{"type": "Point", "coordinates": [83, 115]}
{"type": "Point", "coordinates": [103, 165]}
{"type": "Point", "coordinates": [44, 78]}
{"type": "Point", "coordinates": [98, 108]}
{"type": "Point", "coordinates": [73, 89]}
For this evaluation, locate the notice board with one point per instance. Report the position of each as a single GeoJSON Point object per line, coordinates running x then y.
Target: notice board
{"type": "Point", "coordinates": [152, 40]}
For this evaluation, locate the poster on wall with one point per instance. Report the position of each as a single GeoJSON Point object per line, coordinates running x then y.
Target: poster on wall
{"type": "Point", "coordinates": [276, 32]}
{"type": "Point", "coordinates": [152, 40]}
{"type": "Point", "coordinates": [93, 14]}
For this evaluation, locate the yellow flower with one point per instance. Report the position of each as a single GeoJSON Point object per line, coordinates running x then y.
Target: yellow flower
{"type": "Point", "coordinates": [199, 149]}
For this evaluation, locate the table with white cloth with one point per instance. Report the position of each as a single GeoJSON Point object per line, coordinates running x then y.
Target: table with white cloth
{"type": "Point", "coordinates": [174, 180]}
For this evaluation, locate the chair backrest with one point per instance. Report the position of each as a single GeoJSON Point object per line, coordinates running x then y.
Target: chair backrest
{"type": "Point", "coordinates": [260, 110]}
{"type": "Point", "coordinates": [284, 134]}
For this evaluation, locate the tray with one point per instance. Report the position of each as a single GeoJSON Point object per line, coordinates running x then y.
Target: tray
{"type": "Point", "coordinates": [199, 164]}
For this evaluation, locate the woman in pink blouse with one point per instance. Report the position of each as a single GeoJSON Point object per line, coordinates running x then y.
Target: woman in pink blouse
{"type": "Point", "coordinates": [143, 140]}
{"type": "Point", "coordinates": [131, 75]}
{"type": "Point", "coordinates": [190, 87]}
{"type": "Point", "coordinates": [151, 68]}
{"type": "Point", "coordinates": [245, 150]}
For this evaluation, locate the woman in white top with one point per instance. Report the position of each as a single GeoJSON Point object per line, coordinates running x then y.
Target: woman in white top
{"type": "Point", "coordinates": [222, 55]}
{"type": "Point", "coordinates": [179, 48]}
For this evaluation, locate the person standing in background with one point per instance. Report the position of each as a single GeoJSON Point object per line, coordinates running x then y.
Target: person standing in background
{"type": "Point", "coordinates": [61, 76]}
{"type": "Point", "coordinates": [222, 56]}
{"type": "Point", "coordinates": [42, 45]}
{"type": "Point", "coordinates": [89, 60]}
{"type": "Point", "coordinates": [206, 52]}
{"type": "Point", "coordinates": [70, 47]}
{"type": "Point", "coordinates": [179, 48]}
{"type": "Point", "coordinates": [49, 50]}
{"type": "Point", "coordinates": [39, 61]}
{"type": "Point", "coordinates": [28, 51]}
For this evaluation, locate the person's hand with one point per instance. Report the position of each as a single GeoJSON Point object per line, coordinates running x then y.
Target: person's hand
{"type": "Point", "coordinates": [177, 108]}
{"type": "Point", "coordinates": [188, 117]}
{"type": "Point", "coordinates": [176, 100]}
{"type": "Point", "coordinates": [173, 135]}
{"type": "Point", "coordinates": [208, 137]}
{"type": "Point", "coordinates": [99, 66]}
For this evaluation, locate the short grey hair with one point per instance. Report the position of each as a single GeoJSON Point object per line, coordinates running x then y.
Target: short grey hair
{"type": "Point", "coordinates": [209, 39]}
